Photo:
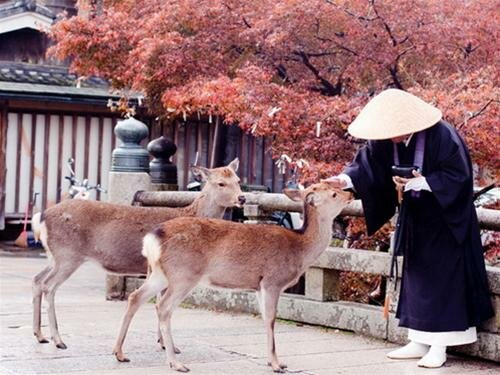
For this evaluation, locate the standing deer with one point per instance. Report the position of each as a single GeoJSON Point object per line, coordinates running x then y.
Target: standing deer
{"type": "Point", "coordinates": [266, 258]}
{"type": "Point", "coordinates": [75, 231]}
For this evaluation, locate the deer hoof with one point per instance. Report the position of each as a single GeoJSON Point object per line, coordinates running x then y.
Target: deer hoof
{"type": "Point", "coordinates": [61, 345]}
{"type": "Point", "coordinates": [280, 367]}
{"type": "Point", "coordinates": [120, 357]}
{"type": "Point", "coordinates": [41, 339]}
{"type": "Point", "coordinates": [177, 366]}
{"type": "Point", "coordinates": [176, 349]}
{"type": "Point", "coordinates": [160, 341]}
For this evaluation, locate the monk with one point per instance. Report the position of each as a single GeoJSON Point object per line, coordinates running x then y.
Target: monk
{"type": "Point", "coordinates": [415, 160]}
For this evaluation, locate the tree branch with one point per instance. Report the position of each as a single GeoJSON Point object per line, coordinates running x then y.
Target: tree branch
{"type": "Point", "coordinates": [328, 88]}
{"type": "Point", "coordinates": [477, 113]}
{"type": "Point", "coordinates": [242, 17]}
{"type": "Point", "coordinates": [320, 54]}
{"type": "Point", "coordinates": [394, 70]}
{"type": "Point", "coordinates": [386, 26]}
{"type": "Point", "coordinates": [338, 45]}
{"type": "Point", "coordinates": [348, 12]}
{"type": "Point", "coordinates": [246, 22]}
{"type": "Point", "coordinates": [283, 74]}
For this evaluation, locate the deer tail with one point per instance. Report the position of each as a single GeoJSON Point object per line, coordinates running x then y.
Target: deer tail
{"type": "Point", "coordinates": [35, 225]}
{"type": "Point", "coordinates": [151, 248]}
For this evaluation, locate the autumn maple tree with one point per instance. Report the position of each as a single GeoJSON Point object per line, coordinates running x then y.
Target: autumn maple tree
{"type": "Point", "coordinates": [296, 70]}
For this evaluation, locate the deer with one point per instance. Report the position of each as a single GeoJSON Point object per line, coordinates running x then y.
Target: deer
{"type": "Point", "coordinates": [75, 231]}
{"type": "Point", "coordinates": [265, 258]}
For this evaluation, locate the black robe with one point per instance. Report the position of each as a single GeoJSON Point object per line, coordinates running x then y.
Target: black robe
{"type": "Point", "coordinates": [444, 285]}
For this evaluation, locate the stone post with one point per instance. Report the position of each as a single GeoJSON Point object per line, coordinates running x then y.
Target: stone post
{"type": "Point", "coordinates": [161, 169]}
{"type": "Point", "coordinates": [129, 163]}
{"type": "Point", "coordinates": [322, 284]}
{"type": "Point", "coordinates": [390, 289]}
{"type": "Point", "coordinates": [255, 215]}
{"type": "Point", "coordinates": [129, 173]}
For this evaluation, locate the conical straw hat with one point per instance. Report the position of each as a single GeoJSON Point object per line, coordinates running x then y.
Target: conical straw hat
{"type": "Point", "coordinates": [393, 113]}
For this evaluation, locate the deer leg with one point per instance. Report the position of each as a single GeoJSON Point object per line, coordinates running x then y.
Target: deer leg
{"type": "Point", "coordinates": [157, 308]}
{"type": "Point", "coordinates": [172, 298]}
{"type": "Point", "coordinates": [154, 284]}
{"type": "Point", "coordinates": [37, 304]}
{"type": "Point", "coordinates": [258, 294]}
{"type": "Point", "coordinates": [270, 298]}
{"type": "Point", "coordinates": [57, 275]}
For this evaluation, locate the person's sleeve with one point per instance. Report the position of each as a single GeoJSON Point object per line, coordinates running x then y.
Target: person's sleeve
{"type": "Point", "coordinates": [451, 184]}
{"type": "Point", "coordinates": [348, 182]}
{"type": "Point", "coordinates": [372, 183]}
{"type": "Point", "coordinates": [417, 184]}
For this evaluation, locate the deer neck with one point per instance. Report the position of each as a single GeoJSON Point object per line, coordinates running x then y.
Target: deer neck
{"type": "Point", "coordinates": [205, 206]}
{"type": "Point", "coordinates": [316, 233]}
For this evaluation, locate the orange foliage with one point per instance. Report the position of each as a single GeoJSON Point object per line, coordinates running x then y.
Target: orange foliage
{"type": "Point", "coordinates": [286, 68]}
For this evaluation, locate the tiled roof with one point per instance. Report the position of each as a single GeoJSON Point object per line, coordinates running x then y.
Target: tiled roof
{"type": "Point", "coordinates": [10, 8]}
{"type": "Point", "coordinates": [45, 75]}
{"type": "Point", "coordinates": [53, 91]}
{"type": "Point", "coordinates": [53, 83]}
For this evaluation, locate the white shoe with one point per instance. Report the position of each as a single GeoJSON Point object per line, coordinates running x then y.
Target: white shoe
{"type": "Point", "coordinates": [410, 351]}
{"type": "Point", "coordinates": [436, 357]}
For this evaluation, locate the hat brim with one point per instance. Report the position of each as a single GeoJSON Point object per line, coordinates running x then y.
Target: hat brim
{"type": "Point", "coordinates": [393, 113]}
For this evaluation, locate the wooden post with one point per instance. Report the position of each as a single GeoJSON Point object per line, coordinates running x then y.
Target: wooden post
{"type": "Point", "coordinates": [3, 155]}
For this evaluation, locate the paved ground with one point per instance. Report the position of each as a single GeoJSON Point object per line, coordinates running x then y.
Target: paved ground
{"type": "Point", "coordinates": [212, 343]}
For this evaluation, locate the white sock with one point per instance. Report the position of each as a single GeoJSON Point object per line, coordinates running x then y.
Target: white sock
{"type": "Point", "coordinates": [411, 350]}
{"type": "Point", "coordinates": [436, 357]}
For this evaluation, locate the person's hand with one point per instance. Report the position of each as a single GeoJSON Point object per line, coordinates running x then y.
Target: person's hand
{"type": "Point", "coordinates": [401, 182]}
{"type": "Point", "coordinates": [335, 182]}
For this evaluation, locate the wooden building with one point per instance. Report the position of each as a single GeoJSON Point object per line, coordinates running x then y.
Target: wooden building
{"type": "Point", "coordinates": [48, 115]}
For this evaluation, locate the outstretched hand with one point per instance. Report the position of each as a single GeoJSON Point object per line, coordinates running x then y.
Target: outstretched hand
{"type": "Point", "coordinates": [335, 182]}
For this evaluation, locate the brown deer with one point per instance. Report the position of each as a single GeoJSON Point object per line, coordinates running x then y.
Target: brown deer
{"type": "Point", "coordinates": [75, 231]}
{"type": "Point", "coordinates": [266, 258]}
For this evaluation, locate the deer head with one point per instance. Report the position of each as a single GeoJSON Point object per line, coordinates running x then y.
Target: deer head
{"type": "Point", "coordinates": [221, 184]}
{"type": "Point", "coordinates": [322, 197]}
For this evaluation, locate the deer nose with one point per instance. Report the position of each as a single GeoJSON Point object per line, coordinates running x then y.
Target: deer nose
{"type": "Point", "coordinates": [242, 199]}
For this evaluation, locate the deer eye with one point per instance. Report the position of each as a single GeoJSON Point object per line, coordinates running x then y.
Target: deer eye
{"type": "Point", "coordinates": [221, 184]}
{"type": "Point", "coordinates": [334, 195]}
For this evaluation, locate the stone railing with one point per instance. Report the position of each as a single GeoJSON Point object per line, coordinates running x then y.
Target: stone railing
{"type": "Point", "coordinates": [321, 303]}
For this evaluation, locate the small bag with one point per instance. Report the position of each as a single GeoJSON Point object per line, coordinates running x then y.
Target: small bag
{"type": "Point", "coordinates": [404, 171]}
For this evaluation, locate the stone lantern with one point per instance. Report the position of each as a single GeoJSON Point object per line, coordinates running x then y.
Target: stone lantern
{"type": "Point", "coordinates": [129, 162]}
{"type": "Point", "coordinates": [161, 169]}
{"type": "Point", "coordinates": [130, 156]}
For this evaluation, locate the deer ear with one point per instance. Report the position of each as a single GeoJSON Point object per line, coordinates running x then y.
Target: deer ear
{"type": "Point", "coordinates": [294, 194]}
{"type": "Point", "coordinates": [200, 173]}
{"type": "Point", "coordinates": [234, 164]}
{"type": "Point", "coordinates": [311, 199]}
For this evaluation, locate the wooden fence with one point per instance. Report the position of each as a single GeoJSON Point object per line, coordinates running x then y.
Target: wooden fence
{"type": "Point", "coordinates": [217, 144]}
{"type": "Point", "coordinates": [37, 144]}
